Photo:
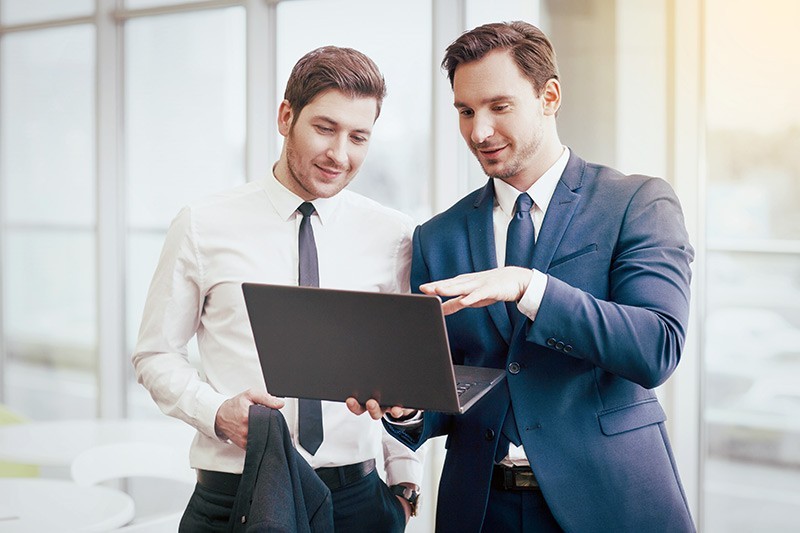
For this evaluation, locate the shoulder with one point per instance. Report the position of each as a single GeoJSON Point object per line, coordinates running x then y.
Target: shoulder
{"type": "Point", "coordinates": [462, 208]}
{"type": "Point", "coordinates": [611, 185]}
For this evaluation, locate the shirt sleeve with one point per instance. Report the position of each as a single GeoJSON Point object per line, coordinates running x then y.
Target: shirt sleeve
{"type": "Point", "coordinates": [171, 318]}
{"type": "Point", "coordinates": [402, 465]}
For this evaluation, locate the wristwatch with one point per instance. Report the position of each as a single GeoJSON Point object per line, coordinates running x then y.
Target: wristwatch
{"type": "Point", "coordinates": [408, 494]}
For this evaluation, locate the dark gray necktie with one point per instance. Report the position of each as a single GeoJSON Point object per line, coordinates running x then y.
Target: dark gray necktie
{"type": "Point", "coordinates": [519, 252]}
{"type": "Point", "coordinates": [309, 411]}
{"type": "Point", "coordinates": [519, 243]}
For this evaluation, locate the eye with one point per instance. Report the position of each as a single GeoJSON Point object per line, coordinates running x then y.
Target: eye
{"type": "Point", "coordinates": [324, 129]}
{"type": "Point", "coordinates": [358, 139]}
{"type": "Point", "coordinates": [501, 107]}
{"type": "Point", "coordinates": [466, 112]}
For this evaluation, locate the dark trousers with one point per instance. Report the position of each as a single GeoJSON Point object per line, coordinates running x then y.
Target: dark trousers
{"type": "Point", "coordinates": [512, 511]}
{"type": "Point", "coordinates": [366, 506]}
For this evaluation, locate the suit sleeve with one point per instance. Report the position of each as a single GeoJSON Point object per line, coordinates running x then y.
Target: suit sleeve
{"type": "Point", "coordinates": [638, 332]}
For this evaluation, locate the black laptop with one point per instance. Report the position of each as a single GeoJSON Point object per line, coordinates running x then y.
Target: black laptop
{"type": "Point", "coordinates": [330, 344]}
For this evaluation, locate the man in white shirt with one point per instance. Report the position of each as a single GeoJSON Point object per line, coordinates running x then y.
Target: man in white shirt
{"type": "Point", "coordinates": [251, 233]}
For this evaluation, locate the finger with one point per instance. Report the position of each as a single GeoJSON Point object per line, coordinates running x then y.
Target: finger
{"type": "Point", "coordinates": [375, 410]}
{"type": "Point", "coordinates": [355, 407]}
{"type": "Point", "coordinates": [399, 412]}
{"type": "Point", "coordinates": [452, 306]}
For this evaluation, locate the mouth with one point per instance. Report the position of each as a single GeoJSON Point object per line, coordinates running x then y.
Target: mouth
{"type": "Point", "coordinates": [491, 152]}
{"type": "Point", "coordinates": [330, 173]}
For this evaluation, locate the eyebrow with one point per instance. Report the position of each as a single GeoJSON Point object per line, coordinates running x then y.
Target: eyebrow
{"type": "Point", "coordinates": [490, 100]}
{"type": "Point", "coordinates": [332, 122]}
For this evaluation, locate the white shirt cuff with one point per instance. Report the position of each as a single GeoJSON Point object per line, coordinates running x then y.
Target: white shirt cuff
{"type": "Point", "coordinates": [529, 304]}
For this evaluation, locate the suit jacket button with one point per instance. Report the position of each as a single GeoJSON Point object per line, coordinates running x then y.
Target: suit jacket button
{"type": "Point", "coordinates": [567, 348]}
{"type": "Point", "coordinates": [513, 368]}
{"type": "Point", "coordinates": [551, 342]}
{"type": "Point", "coordinates": [559, 345]}
{"type": "Point", "coordinates": [489, 434]}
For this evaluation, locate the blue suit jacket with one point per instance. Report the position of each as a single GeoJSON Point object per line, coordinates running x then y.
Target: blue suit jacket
{"type": "Point", "coordinates": [611, 326]}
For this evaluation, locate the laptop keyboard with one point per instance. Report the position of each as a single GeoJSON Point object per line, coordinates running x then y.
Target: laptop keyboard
{"type": "Point", "coordinates": [464, 386]}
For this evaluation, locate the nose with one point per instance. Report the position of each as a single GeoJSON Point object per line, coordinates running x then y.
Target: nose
{"type": "Point", "coordinates": [482, 129]}
{"type": "Point", "coordinates": [337, 151]}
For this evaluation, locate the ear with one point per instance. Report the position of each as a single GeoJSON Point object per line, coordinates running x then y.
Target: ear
{"type": "Point", "coordinates": [285, 118]}
{"type": "Point", "coordinates": [551, 96]}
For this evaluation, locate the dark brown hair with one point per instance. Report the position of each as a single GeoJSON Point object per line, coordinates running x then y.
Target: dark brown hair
{"type": "Point", "coordinates": [331, 67]}
{"type": "Point", "coordinates": [529, 46]}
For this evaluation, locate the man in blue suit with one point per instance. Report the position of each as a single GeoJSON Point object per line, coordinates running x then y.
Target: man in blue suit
{"type": "Point", "coordinates": [597, 281]}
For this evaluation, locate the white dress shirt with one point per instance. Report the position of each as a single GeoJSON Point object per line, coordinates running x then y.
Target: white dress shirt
{"type": "Point", "coordinates": [250, 233]}
{"type": "Point", "coordinates": [504, 198]}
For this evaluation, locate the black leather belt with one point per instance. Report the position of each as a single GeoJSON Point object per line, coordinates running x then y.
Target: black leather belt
{"type": "Point", "coordinates": [223, 482]}
{"type": "Point", "coordinates": [336, 477]}
{"type": "Point", "coordinates": [514, 478]}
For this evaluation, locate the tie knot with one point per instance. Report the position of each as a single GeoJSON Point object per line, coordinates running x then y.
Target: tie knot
{"type": "Point", "coordinates": [523, 204]}
{"type": "Point", "coordinates": [307, 209]}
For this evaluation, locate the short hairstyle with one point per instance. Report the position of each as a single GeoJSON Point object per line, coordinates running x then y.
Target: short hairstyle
{"type": "Point", "coordinates": [332, 67]}
{"type": "Point", "coordinates": [529, 46]}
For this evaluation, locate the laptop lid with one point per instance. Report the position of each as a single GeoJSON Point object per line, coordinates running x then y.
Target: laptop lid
{"type": "Point", "coordinates": [332, 344]}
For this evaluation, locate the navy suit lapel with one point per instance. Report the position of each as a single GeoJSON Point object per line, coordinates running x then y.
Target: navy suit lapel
{"type": "Point", "coordinates": [559, 213]}
{"type": "Point", "coordinates": [480, 226]}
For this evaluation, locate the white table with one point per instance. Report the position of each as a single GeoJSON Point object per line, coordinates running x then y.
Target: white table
{"type": "Point", "coordinates": [58, 442]}
{"type": "Point", "coordinates": [43, 505]}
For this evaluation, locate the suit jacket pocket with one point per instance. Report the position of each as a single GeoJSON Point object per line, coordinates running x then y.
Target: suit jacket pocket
{"type": "Point", "coordinates": [629, 417]}
{"type": "Point", "coordinates": [569, 257]}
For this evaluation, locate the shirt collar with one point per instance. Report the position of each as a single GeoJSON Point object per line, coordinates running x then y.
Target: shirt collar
{"type": "Point", "coordinates": [286, 202]}
{"type": "Point", "coordinates": [541, 191]}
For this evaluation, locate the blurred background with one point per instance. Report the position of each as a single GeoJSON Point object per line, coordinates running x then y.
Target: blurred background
{"type": "Point", "coordinates": [114, 114]}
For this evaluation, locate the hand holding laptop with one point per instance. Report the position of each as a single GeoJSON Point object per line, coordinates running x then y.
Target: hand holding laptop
{"type": "Point", "coordinates": [376, 411]}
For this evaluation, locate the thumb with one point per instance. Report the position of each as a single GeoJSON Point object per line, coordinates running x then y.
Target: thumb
{"type": "Point", "coordinates": [264, 398]}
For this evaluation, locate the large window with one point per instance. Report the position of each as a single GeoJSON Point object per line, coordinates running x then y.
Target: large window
{"type": "Point", "coordinates": [752, 326]}
{"type": "Point", "coordinates": [47, 180]}
{"type": "Point", "coordinates": [116, 113]}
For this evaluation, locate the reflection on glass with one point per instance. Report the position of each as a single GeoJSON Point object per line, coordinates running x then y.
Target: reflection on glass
{"type": "Point", "coordinates": [184, 112]}
{"type": "Point", "coordinates": [396, 35]}
{"type": "Point", "coordinates": [22, 11]}
{"type": "Point", "coordinates": [752, 345]}
{"type": "Point", "coordinates": [47, 126]}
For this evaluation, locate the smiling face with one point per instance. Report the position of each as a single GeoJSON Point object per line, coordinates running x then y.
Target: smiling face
{"type": "Point", "coordinates": [325, 145]}
{"type": "Point", "coordinates": [507, 126]}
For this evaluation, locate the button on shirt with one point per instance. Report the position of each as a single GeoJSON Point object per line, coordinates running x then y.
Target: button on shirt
{"type": "Point", "coordinates": [250, 233]}
{"type": "Point", "coordinates": [505, 196]}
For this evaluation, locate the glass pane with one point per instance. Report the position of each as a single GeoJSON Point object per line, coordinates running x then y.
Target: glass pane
{"type": "Point", "coordinates": [753, 161]}
{"type": "Point", "coordinates": [753, 399]}
{"type": "Point", "coordinates": [50, 317]}
{"type": "Point", "coordinates": [752, 345]}
{"type": "Point", "coordinates": [396, 35]}
{"type": "Point", "coordinates": [21, 11]}
{"type": "Point", "coordinates": [185, 110]}
{"type": "Point", "coordinates": [47, 126]}
{"type": "Point", "coordinates": [136, 4]}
